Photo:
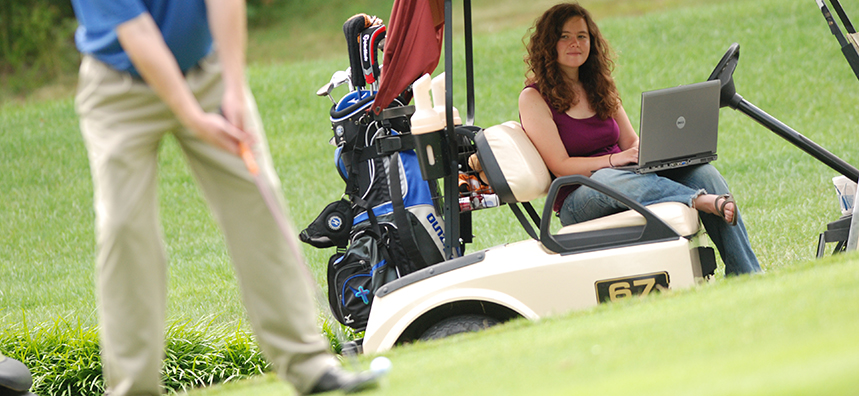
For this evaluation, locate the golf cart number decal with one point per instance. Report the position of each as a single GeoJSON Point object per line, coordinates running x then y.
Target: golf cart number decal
{"type": "Point", "coordinates": [620, 288]}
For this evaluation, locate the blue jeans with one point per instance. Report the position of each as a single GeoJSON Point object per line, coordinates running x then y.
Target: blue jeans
{"type": "Point", "coordinates": [678, 185]}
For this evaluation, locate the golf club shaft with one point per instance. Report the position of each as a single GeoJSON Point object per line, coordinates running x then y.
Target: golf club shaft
{"type": "Point", "coordinates": [280, 219]}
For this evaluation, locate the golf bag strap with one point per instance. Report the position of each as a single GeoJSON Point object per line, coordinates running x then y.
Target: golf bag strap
{"type": "Point", "coordinates": [523, 220]}
{"type": "Point", "coordinates": [352, 178]}
{"type": "Point", "coordinates": [352, 192]}
{"type": "Point", "coordinates": [401, 218]}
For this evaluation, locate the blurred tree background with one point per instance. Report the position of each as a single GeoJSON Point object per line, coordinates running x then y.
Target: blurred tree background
{"type": "Point", "coordinates": [37, 41]}
{"type": "Point", "coordinates": [38, 58]}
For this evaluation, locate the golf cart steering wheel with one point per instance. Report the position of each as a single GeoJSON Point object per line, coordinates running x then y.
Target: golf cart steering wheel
{"type": "Point", "coordinates": [724, 72]}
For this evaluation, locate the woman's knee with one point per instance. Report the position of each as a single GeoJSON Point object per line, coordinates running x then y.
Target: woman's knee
{"type": "Point", "coordinates": [707, 177]}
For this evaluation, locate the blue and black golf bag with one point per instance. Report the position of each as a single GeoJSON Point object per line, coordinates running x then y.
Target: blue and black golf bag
{"type": "Point", "coordinates": [389, 225]}
{"type": "Point", "coordinates": [394, 226]}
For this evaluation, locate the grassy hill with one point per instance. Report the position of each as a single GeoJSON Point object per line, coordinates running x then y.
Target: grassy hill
{"type": "Point", "coordinates": [788, 331]}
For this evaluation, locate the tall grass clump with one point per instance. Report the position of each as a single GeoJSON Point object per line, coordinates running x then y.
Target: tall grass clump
{"type": "Point", "coordinates": [199, 355]}
{"type": "Point", "coordinates": [64, 359]}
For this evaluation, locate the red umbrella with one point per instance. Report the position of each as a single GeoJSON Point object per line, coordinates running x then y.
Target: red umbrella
{"type": "Point", "coordinates": [412, 46]}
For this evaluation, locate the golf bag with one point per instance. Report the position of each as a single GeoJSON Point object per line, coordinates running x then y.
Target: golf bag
{"type": "Point", "coordinates": [395, 227]}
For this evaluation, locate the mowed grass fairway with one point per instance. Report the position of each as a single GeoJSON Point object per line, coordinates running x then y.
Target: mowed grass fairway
{"type": "Point", "coordinates": [788, 331]}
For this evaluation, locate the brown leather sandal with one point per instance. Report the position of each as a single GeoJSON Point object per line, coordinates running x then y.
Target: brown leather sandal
{"type": "Point", "coordinates": [726, 199]}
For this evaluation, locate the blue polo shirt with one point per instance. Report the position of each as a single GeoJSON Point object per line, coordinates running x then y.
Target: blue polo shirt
{"type": "Point", "coordinates": [183, 23]}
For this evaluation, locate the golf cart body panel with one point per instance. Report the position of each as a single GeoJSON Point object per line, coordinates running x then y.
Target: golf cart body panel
{"type": "Point", "coordinates": [529, 280]}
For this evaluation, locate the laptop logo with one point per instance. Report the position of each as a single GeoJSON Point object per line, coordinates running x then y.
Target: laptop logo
{"type": "Point", "coordinates": [681, 122]}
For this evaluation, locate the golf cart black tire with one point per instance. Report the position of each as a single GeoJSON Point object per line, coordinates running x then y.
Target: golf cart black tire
{"type": "Point", "coordinates": [458, 324]}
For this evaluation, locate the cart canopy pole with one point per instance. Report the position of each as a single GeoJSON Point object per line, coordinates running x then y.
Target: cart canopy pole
{"type": "Point", "coordinates": [469, 62]}
{"type": "Point", "coordinates": [451, 188]}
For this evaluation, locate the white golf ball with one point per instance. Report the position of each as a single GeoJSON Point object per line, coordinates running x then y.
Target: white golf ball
{"type": "Point", "coordinates": [380, 364]}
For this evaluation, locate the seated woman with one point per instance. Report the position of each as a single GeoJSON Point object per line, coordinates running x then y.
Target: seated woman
{"type": "Point", "coordinates": [572, 112]}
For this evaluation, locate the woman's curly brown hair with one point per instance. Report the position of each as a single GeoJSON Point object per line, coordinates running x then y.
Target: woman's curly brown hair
{"type": "Point", "coordinates": [594, 74]}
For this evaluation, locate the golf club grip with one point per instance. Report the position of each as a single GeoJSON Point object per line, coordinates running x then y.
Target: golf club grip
{"type": "Point", "coordinates": [248, 158]}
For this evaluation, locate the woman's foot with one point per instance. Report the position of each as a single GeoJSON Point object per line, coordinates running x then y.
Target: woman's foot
{"type": "Point", "coordinates": [723, 206]}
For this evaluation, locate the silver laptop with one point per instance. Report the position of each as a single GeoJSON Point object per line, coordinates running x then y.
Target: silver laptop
{"type": "Point", "coordinates": [679, 127]}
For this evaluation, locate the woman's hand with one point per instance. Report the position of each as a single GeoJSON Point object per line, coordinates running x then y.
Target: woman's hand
{"type": "Point", "coordinates": [625, 157]}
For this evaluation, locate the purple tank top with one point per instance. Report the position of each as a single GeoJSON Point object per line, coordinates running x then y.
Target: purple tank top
{"type": "Point", "coordinates": [588, 137]}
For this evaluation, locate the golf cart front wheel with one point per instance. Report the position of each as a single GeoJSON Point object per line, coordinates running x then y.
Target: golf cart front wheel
{"type": "Point", "coordinates": [458, 324]}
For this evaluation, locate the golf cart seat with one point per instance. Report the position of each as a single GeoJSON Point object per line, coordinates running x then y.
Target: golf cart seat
{"type": "Point", "coordinates": [512, 166]}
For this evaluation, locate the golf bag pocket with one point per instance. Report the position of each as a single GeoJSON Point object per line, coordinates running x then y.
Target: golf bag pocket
{"type": "Point", "coordinates": [350, 282]}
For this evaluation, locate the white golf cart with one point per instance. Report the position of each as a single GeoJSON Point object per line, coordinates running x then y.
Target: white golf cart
{"type": "Point", "coordinates": [636, 252]}
{"type": "Point", "coordinates": [630, 253]}
{"type": "Point", "coordinates": [619, 256]}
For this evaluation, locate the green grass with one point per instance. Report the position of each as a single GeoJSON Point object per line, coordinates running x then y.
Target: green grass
{"type": "Point", "coordinates": [785, 332]}
{"type": "Point", "coordinates": [64, 357]}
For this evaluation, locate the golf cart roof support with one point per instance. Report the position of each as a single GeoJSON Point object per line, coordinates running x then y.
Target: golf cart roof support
{"type": "Point", "coordinates": [451, 185]}
{"type": "Point", "coordinates": [451, 196]}
{"type": "Point", "coordinates": [415, 32]}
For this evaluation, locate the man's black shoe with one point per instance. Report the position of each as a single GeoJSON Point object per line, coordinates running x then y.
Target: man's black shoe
{"type": "Point", "coordinates": [342, 380]}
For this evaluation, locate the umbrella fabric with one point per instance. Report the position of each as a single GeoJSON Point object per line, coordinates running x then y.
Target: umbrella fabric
{"type": "Point", "coordinates": [412, 46]}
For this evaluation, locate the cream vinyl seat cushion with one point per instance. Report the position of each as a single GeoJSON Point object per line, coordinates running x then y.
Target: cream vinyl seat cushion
{"type": "Point", "coordinates": [513, 166]}
{"type": "Point", "coordinates": [683, 219]}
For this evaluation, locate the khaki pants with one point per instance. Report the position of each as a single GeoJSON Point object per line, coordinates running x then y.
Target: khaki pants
{"type": "Point", "coordinates": [123, 121]}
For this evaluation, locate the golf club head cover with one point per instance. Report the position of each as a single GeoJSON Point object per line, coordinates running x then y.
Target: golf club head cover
{"type": "Point", "coordinates": [352, 29]}
{"type": "Point", "coordinates": [331, 228]}
{"type": "Point", "coordinates": [370, 39]}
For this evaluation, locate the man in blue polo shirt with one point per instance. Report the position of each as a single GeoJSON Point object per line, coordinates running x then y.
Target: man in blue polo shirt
{"type": "Point", "coordinates": [157, 67]}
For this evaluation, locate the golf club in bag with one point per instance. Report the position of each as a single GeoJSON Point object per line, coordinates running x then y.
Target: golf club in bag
{"type": "Point", "coordinates": [388, 209]}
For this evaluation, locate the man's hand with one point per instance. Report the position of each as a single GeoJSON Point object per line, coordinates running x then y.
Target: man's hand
{"type": "Point", "coordinates": [144, 44]}
{"type": "Point", "coordinates": [233, 108]}
{"type": "Point", "coordinates": [219, 131]}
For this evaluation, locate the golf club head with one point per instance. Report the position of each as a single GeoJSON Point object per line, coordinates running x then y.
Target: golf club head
{"type": "Point", "coordinates": [351, 84]}
{"type": "Point", "coordinates": [341, 77]}
{"type": "Point", "coordinates": [325, 90]}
